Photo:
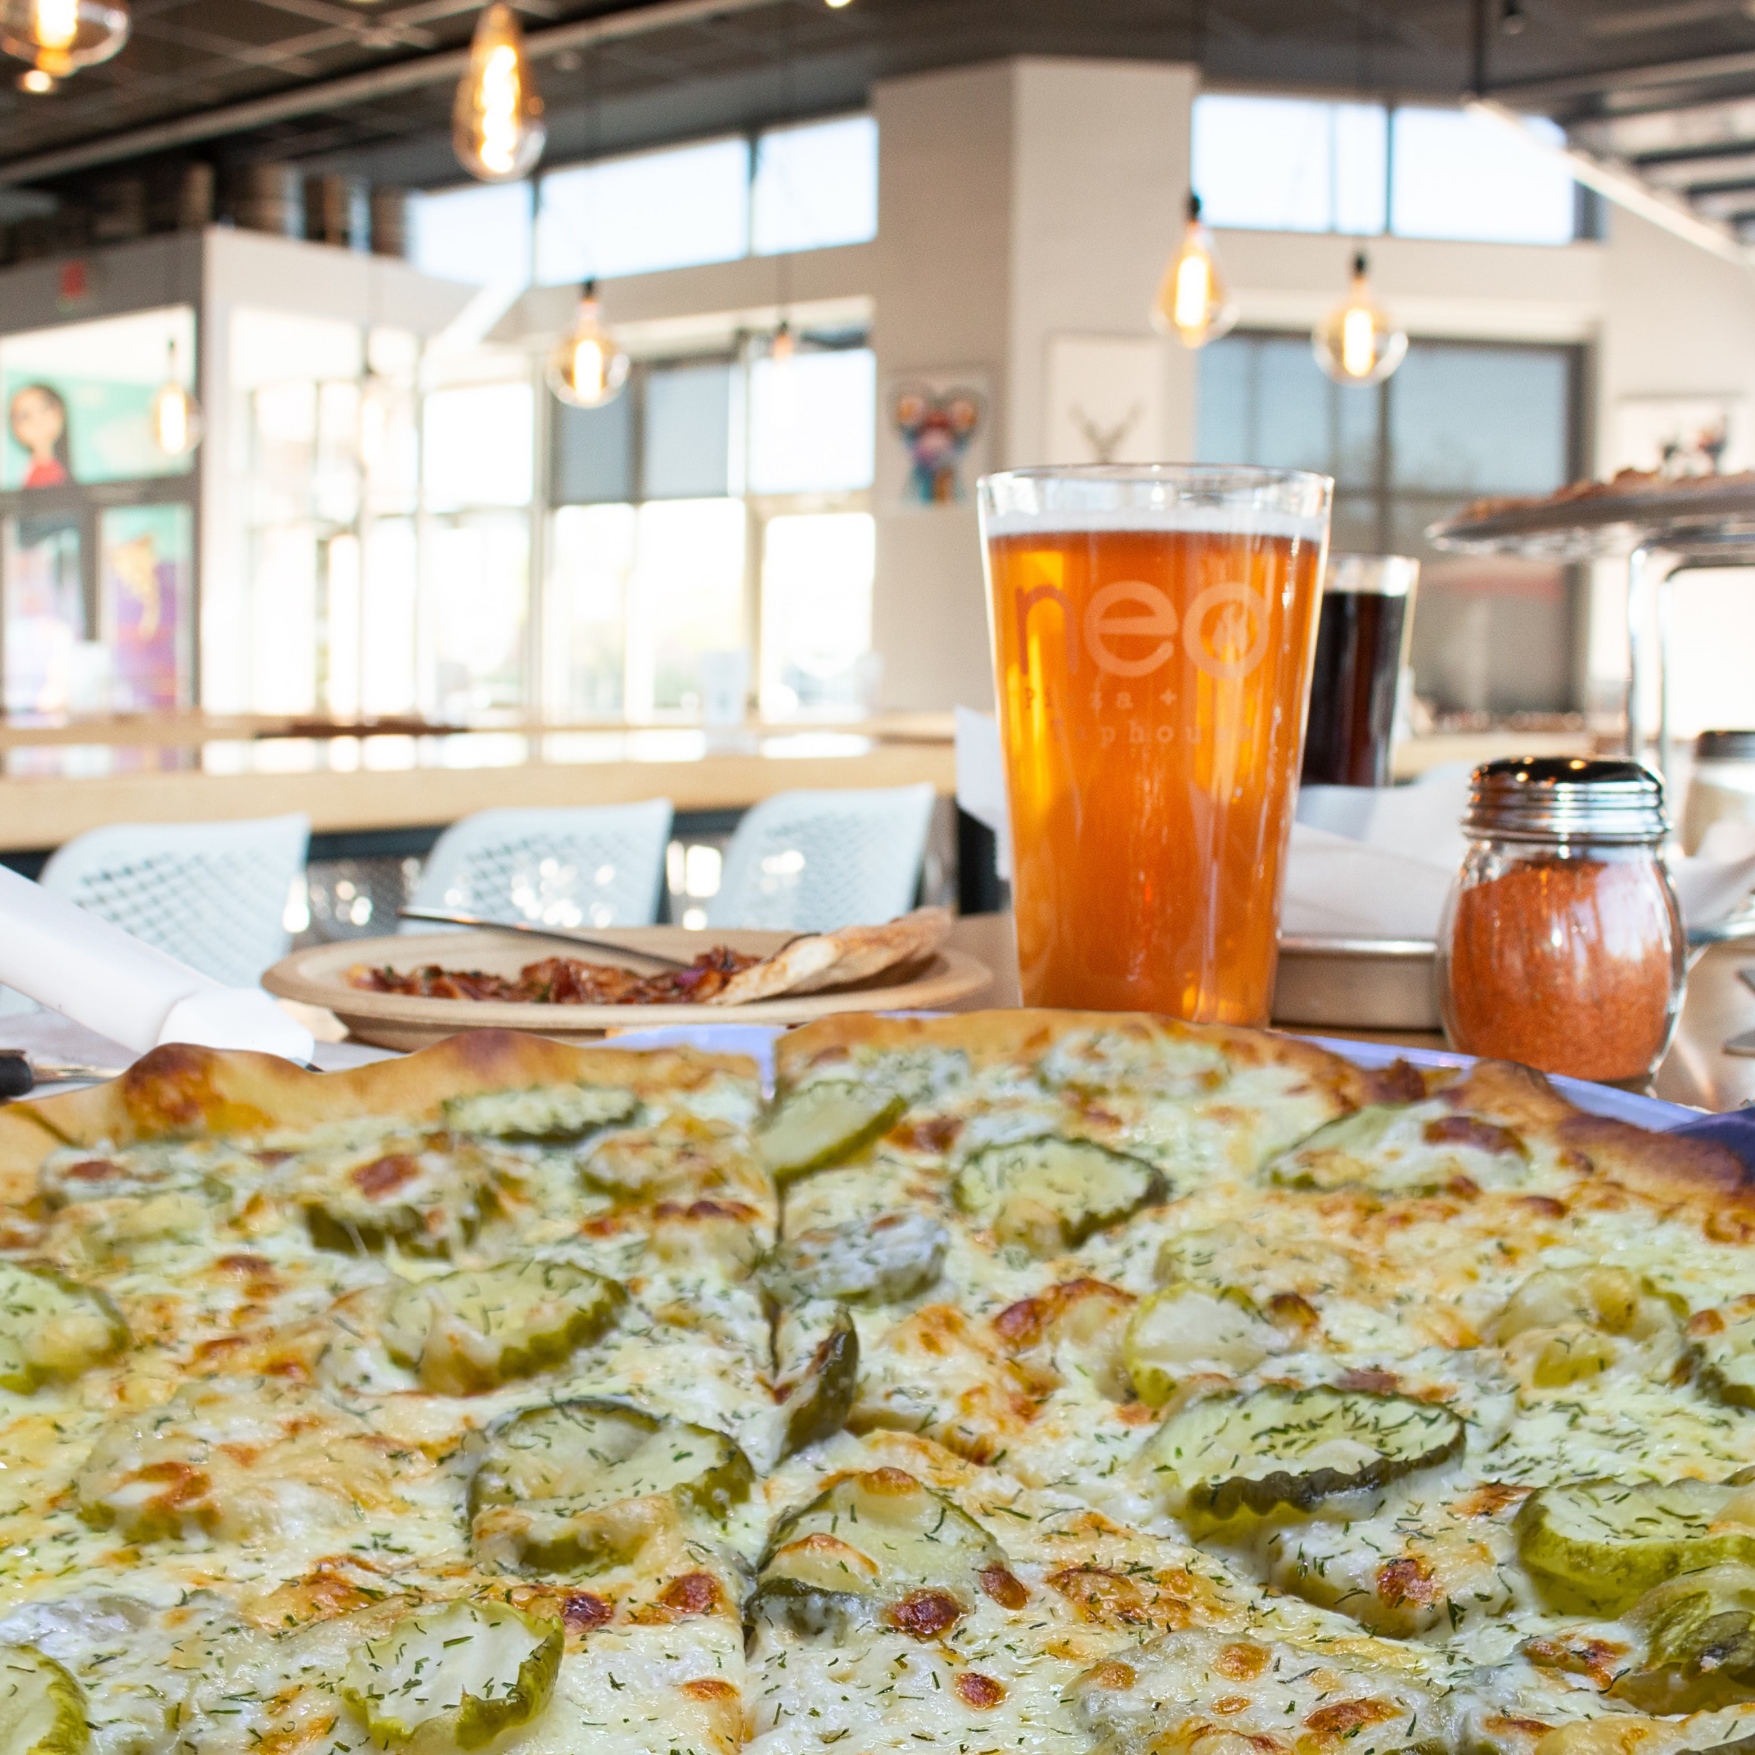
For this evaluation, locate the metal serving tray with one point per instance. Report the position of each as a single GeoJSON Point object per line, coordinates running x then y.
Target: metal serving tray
{"type": "Point", "coordinates": [1358, 983]}
{"type": "Point", "coordinates": [1607, 526]}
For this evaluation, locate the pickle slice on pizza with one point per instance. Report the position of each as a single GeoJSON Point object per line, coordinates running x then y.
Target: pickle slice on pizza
{"type": "Point", "coordinates": [816, 1350]}
{"type": "Point", "coordinates": [827, 1123]}
{"type": "Point", "coordinates": [1049, 1194]}
{"type": "Point", "coordinates": [544, 1115]}
{"type": "Point", "coordinates": [576, 1486]}
{"type": "Point", "coordinates": [880, 1260]}
{"type": "Point", "coordinates": [468, 1332]}
{"type": "Point", "coordinates": [42, 1709]}
{"type": "Point", "coordinates": [876, 1547]}
{"type": "Point", "coordinates": [1605, 1543]}
{"type": "Point", "coordinates": [1292, 1449]}
{"type": "Point", "coordinates": [460, 1676]}
{"type": "Point", "coordinates": [52, 1328]}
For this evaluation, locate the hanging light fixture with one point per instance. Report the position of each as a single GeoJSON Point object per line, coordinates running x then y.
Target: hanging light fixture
{"type": "Point", "coordinates": [1358, 342]}
{"type": "Point", "coordinates": [588, 368]}
{"type": "Point", "coordinates": [1192, 303]}
{"type": "Point", "coordinates": [58, 37]}
{"type": "Point", "coordinates": [496, 122]}
{"type": "Point", "coordinates": [782, 397]}
{"type": "Point", "coordinates": [176, 415]}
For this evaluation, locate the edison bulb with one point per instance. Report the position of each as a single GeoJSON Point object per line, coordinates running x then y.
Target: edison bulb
{"type": "Point", "coordinates": [587, 368]}
{"type": "Point", "coordinates": [782, 387]}
{"type": "Point", "coordinates": [496, 122]}
{"type": "Point", "coordinates": [175, 415]}
{"type": "Point", "coordinates": [58, 37]}
{"type": "Point", "coordinates": [1192, 303]}
{"type": "Point", "coordinates": [1358, 342]}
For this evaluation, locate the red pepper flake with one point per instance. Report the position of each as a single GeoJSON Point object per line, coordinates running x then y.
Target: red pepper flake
{"type": "Point", "coordinates": [1566, 965]}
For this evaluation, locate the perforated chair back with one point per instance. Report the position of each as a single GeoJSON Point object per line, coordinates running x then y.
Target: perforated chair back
{"type": "Point", "coordinates": [812, 861]}
{"type": "Point", "coordinates": [599, 865]}
{"type": "Point", "coordinates": [214, 895]}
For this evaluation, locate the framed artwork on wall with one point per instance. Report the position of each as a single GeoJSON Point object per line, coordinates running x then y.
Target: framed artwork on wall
{"type": "Point", "coordinates": [1683, 435]}
{"type": "Point", "coordinates": [939, 423]}
{"type": "Point", "coordinates": [1106, 401]}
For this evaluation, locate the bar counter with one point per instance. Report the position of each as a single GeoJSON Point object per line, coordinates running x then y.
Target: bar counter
{"type": "Point", "coordinates": [62, 780]}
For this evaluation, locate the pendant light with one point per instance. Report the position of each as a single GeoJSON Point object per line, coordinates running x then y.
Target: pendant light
{"type": "Point", "coordinates": [782, 396]}
{"type": "Point", "coordinates": [496, 122]}
{"type": "Point", "coordinates": [588, 368]}
{"type": "Point", "coordinates": [176, 415]}
{"type": "Point", "coordinates": [1192, 303]}
{"type": "Point", "coordinates": [58, 37]}
{"type": "Point", "coordinates": [1358, 342]}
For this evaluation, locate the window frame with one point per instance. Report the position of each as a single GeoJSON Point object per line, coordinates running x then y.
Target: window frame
{"type": "Point", "coordinates": [1587, 206]}
{"type": "Point", "coordinates": [759, 508]}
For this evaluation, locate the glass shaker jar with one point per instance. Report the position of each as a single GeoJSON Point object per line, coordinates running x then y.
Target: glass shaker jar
{"type": "Point", "coordinates": [1561, 944]}
{"type": "Point", "coordinates": [1723, 784]}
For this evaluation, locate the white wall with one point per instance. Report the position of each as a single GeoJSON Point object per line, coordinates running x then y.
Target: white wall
{"type": "Point", "coordinates": [1676, 321]}
{"type": "Point", "coordinates": [943, 290]}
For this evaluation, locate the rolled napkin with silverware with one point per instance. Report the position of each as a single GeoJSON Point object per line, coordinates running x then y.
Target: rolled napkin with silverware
{"type": "Point", "coordinates": [113, 983]}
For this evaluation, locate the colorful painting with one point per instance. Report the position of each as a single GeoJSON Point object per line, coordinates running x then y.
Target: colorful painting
{"type": "Point", "coordinates": [940, 421]}
{"type": "Point", "coordinates": [78, 399]}
{"type": "Point", "coordinates": [145, 555]}
{"type": "Point", "coordinates": [45, 612]}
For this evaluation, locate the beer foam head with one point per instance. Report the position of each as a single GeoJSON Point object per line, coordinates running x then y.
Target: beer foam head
{"type": "Point", "coordinates": [1171, 520]}
{"type": "Point", "coordinates": [1195, 499]}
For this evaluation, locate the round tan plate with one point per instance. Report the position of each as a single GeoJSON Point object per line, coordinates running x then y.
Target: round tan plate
{"type": "Point", "coordinates": [318, 976]}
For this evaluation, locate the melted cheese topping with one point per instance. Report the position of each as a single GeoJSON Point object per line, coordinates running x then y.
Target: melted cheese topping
{"type": "Point", "coordinates": [202, 1527]}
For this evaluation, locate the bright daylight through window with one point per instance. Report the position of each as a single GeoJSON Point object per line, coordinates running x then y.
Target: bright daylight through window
{"type": "Point", "coordinates": [1299, 165]}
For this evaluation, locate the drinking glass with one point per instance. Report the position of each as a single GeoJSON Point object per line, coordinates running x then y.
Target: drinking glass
{"type": "Point", "coordinates": [1152, 631]}
{"type": "Point", "coordinates": [1362, 638]}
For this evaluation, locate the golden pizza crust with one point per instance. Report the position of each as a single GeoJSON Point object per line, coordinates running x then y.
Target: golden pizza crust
{"type": "Point", "coordinates": [179, 1089]}
{"type": "Point", "coordinates": [1696, 1176]}
{"type": "Point", "coordinates": [840, 959]}
{"type": "Point", "coordinates": [996, 1038]}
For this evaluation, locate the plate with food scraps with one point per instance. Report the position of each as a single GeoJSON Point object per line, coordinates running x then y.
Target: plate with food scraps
{"type": "Point", "coordinates": [407, 991]}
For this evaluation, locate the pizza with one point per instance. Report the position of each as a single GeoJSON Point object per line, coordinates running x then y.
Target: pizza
{"type": "Point", "coordinates": [850, 956]}
{"type": "Point", "coordinates": [1061, 1383]}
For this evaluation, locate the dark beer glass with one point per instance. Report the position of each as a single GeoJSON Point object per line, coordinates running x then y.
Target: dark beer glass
{"type": "Point", "coordinates": [1361, 645]}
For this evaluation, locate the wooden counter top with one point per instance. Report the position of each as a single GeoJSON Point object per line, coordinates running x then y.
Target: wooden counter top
{"type": "Point", "coordinates": [52, 792]}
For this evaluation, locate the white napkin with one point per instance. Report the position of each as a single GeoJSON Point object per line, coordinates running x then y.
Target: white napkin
{"type": "Point", "coordinates": [981, 780]}
{"type": "Point", "coordinates": [108, 980]}
{"type": "Point", "coordinates": [1337, 887]}
{"type": "Point", "coordinates": [1376, 862]}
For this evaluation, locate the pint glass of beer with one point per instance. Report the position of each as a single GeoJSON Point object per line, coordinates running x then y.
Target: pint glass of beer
{"type": "Point", "coordinates": [1152, 635]}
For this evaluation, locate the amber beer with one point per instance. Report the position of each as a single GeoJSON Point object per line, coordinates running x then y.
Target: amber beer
{"type": "Point", "coordinates": [1152, 632]}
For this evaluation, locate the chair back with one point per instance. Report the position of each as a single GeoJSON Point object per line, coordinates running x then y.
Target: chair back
{"type": "Point", "coordinates": [598, 865]}
{"type": "Point", "coordinates": [813, 861]}
{"type": "Point", "coordinates": [213, 895]}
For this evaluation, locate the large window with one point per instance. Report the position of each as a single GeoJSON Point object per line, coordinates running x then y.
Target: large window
{"type": "Point", "coordinates": [799, 188]}
{"type": "Point", "coordinates": [1459, 420]}
{"type": "Point", "coordinates": [1304, 165]}
{"type": "Point", "coordinates": [717, 513]}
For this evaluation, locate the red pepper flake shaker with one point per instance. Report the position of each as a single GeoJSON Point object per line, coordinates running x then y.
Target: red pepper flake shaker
{"type": "Point", "coordinates": [1562, 946]}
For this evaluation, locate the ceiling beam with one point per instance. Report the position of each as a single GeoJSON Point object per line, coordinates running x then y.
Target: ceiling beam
{"type": "Point", "coordinates": [1623, 185]}
{"type": "Point", "coordinates": [356, 88]}
{"type": "Point", "coordinates": [1539, 93]}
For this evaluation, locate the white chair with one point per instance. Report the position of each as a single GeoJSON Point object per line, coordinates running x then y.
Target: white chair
{"type": "Point", "coordinates": [214, 895]}
{"type": "Point", "coordinates": [812, 861]}
{"type": "Point", "coordinates": [599, 865]}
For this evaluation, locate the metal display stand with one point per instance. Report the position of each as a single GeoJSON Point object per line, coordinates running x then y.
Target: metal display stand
{"type": "Point", "coordinates": [1658, 533]}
